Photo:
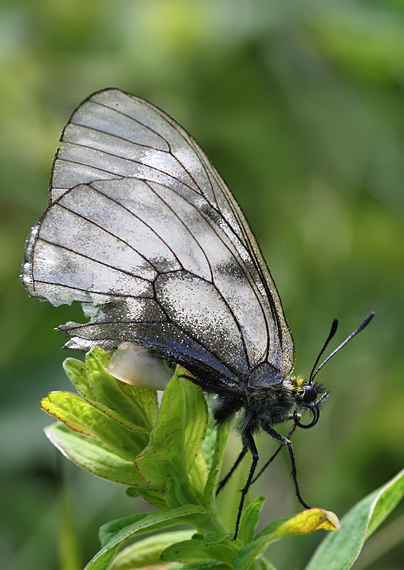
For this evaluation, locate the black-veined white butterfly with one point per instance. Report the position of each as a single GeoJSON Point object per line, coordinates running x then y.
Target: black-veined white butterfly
{"type": "Point", "coordinates": [142, 230]}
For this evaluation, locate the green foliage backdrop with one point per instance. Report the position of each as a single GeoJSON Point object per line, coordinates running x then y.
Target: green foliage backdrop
{"type": "Point", "coordinates": [300, 106]}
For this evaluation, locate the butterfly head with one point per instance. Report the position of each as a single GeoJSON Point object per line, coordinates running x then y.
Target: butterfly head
{"type": "Point", "coordinates": [308, 396]}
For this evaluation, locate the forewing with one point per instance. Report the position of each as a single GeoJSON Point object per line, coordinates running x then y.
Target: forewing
{"type": "Point", "coordinates": [165, 242]}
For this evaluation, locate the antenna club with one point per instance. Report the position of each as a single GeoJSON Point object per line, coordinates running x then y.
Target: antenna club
{"type": "Point", "coordinates": [360, 328]}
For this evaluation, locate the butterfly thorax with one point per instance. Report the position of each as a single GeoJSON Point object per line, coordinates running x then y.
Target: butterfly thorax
{"type": "Point", "coordinates": [265, 398]}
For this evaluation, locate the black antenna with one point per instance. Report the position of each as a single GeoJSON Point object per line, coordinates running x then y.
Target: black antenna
{"type": "Point", "coordinates": [360, 328]}
{"type": "Point", "coordinates": [333, 330]}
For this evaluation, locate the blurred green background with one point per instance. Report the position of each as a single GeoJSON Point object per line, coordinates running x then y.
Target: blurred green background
{"type": "Point", "coordinates": [300, 105]}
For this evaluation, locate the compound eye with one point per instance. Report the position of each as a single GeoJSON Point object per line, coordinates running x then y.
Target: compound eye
{"type": "Point", "coordinates": [309, 394]}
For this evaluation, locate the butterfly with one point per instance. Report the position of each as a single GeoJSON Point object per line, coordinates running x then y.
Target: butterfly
{"type": "Point", "coordinates": [142, 231]}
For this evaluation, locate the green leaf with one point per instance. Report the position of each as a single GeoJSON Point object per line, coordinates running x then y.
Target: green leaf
{"type": "Point", "coordinates": [176, 439]}
{"type": "Point", "coordinates": [303, 523]}
{"type": "Point", "coordinates": [249, 520]}
{"type": "Point", "coordinates": [193, 566]}
{"type": "Point", "coordinates": [388, 497]}
{"type": "Point", "coordinates": [250, 552]}
{"type": "Point", "coordinates": [211, 538]}
{"type": "Point", "coordinates": [102, 562]}
{"type": "Point", "coordinates": [65, 413]}
{"type": "Point", "coordinates": [111, 529]}
{"type": "Point", "coordinates": [178, 491]}
{"type": "Point", "coordinates": [154, 497]}
{"type": "Point", "coordinates": [144, 400]}
{"type": "Point", "coordinates": [115, 530]}
{"type": "Point", "coordinates": [115, 533]}
{"type": "Point", "coordinates": [81, 415]}
{"type": "Point", "coordinates": [198, 472]}
{"type": "Point", "coordinates": [93, 455]}
{"type": "Point", "coordinates": [196, 550]}
{"type": "Point", "coordinates": [76, 371]}
{"type": "Point", "coordinates": [209, 443]}
{"type": "Point", "coordinates": [138, 405]}
{"type": "Point", "coordinates": [75, 407]}
{"type": "Point", "coordinates": [216, 461]}
{"type": "Point", "coordinates": [341, 550]}
{"type": "Point", "coordinates": [146, 552]}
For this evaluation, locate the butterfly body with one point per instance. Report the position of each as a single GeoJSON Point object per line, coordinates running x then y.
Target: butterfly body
{"type": "Point", "coordinates": [267, 404]}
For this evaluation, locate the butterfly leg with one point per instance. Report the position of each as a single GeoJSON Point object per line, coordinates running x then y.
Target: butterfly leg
{"type": "Point", "coordinates": [249, 444]}
{"type": "Point", "coordinates": [232, 470]}
{"type": "Point", "coordinates": [273, 455]}
{"type": "Point", "coordinates": [285, 441]}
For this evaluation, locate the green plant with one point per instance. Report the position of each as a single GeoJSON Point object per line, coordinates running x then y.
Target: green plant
{"type": "Point", "coordinates": [171, 456]}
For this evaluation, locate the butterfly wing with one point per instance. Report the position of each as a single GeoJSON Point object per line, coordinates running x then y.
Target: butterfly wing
{"type": "Point", "coordinates": [144, 232]}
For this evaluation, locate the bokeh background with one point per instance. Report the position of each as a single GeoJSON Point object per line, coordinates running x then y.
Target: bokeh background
{"type": "Point", "coordinates": [300, 105]}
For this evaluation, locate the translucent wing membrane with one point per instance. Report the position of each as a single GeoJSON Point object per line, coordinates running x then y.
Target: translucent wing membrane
{"type": "Point", "coordinates": [143, 231]}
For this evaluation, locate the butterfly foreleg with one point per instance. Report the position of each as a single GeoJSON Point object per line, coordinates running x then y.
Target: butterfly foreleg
{"type": "Point", "coordinates": [274, 454]}
{"type": "Point", "coordinates": [249, 443]}
{"type": "Point", "coordinates": [285, 441]}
